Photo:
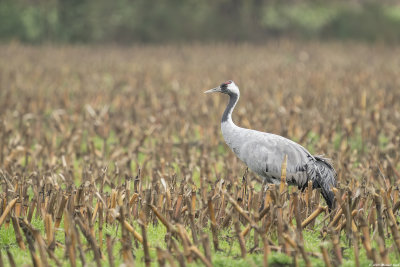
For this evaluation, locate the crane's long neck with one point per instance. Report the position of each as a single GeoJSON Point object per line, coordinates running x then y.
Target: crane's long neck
{"type": "Point", "coordinates": [227, 116]}
{"type": "Point", "coordinates": [230, 131]}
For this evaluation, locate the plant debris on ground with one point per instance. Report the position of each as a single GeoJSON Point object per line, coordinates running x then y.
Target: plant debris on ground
{"type": "Point", "coordinates": [112, 155]}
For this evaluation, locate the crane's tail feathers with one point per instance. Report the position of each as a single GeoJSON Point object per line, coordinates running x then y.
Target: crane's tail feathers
{"type": "Point", "coordinates": [325, 179]}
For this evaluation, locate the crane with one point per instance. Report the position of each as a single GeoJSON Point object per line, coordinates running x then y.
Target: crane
{"type": "Point", "coordinates": [264, 153]}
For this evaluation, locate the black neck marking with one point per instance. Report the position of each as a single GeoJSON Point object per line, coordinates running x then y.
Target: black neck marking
{"type": "Point", "coordinates": [233, 99]}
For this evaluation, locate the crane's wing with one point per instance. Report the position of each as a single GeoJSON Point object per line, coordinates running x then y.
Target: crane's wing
{"type": "Point", "coordinates": [264, 154]}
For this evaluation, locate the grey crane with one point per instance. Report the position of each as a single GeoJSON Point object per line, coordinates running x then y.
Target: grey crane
{"type": "Point", "coordinates": [264, 153]}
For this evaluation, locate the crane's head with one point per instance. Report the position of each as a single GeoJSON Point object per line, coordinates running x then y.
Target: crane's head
{"type": "Point", "coordinates": [229, 88]}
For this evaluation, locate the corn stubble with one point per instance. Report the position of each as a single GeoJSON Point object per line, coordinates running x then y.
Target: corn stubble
{"type": "Point", "coordinates": [122, 137]}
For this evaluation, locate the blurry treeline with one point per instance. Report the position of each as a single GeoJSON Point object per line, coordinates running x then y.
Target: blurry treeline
{"type": "Point", "coordinates": [127, 21]}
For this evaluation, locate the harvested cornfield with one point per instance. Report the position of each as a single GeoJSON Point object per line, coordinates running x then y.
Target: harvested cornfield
{"type": "Point", "coordinates": [113, 155]}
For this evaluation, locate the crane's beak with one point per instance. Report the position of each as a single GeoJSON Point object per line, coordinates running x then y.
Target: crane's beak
{"type": "Point", "coordinates": [214, 90]}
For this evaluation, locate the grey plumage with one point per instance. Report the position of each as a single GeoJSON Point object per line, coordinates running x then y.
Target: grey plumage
{"type": "Point", "coordinates": [264, 153]}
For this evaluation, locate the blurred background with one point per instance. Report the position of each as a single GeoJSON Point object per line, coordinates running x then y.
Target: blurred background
{"type": "Point", "coordinates": [159, 21]}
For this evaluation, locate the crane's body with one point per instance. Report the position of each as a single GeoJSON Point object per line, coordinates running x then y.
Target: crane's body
{"type": "Point", "coordinates": [264, 153]}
